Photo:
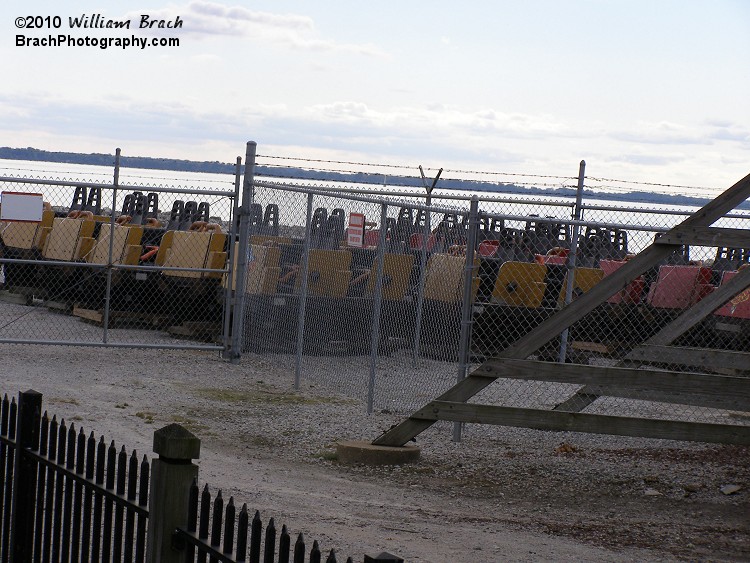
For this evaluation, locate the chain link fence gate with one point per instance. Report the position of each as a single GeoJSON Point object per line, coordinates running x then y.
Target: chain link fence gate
{"type": "Point", "coordinates": [124, 263]}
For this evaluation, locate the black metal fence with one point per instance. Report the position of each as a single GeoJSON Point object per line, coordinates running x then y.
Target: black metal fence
{"type": "Point", "coordinates": [66, 497]}
{"type": "Point", "coordinates": [218, 534]}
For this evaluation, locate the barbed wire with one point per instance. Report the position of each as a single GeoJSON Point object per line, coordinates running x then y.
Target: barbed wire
{"type": "Point", "coordinates": [351, 163]}
{"type": "Point", "coordinates": [705, 189]}
{"type": "Point", "coordinates": [407, 185]}
{"type": "Point", "coordinates": [642, 183]}
{"type": "Point", "coordinates": [513, 174]}
{"type": "Point", "coordinates": [183, 179]}
{"type": "Point", "coordinates": [336, 170]}
{"type": "Point", "coordinates": [46, 171]}
{"type": "Point", "coordinates": [404, 167]}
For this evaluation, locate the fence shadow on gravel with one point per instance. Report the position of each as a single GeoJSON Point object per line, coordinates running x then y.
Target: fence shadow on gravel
{"type": "Point", "coordinates": [69, 497]}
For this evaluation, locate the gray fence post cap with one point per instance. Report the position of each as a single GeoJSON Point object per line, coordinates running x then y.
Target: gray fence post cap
{"type": "Point", "coordinates": [176, 442]}
{"type": "Point", "coordinates": [384, 557]}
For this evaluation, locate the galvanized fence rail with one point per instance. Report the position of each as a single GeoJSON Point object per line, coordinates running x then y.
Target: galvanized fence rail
{"type": "Point", "coordinates": [127, 264]}
{"type": "Point", "coordinates": [629, 380]}
{"type": "Point", "coordinates": [319, 302]}
{"type": "Point", "coordinates": [377, 292]}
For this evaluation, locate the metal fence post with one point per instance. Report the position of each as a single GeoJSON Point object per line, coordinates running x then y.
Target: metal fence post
{"type": "Point", "coordinates": [377, 304]}
{"type": "Point", "coordinates": [422, 280]}
{"type": "Point", "coordinates": [232, 287]}
{"type": "Point", "coordinates": [24, 477]}
{"type": "Point", "coordinates": [303, 294]}
{"type": "Point", "coordinates": [108, 290]}
{"type": "Point", "coordinates": [572, 258]}
{"type": "Point", "coordinates": [238, 311]}
{"type": "Point", "coordinates": [172, 475]}
{"type": "Point", "coordinates": [423, 263]}
{"type": "Point", "coordinates": [464, 343]}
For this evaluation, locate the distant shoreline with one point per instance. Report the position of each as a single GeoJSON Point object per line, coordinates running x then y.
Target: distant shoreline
{"type": "Point", "coordinates": [215, 167]}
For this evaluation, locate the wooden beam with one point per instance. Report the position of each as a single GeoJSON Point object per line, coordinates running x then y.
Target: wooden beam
{"type": "Point", "coordinates": [705, 390]}
{"type": "Point", "coordinates": [708, 236]}
{"type": "Point", "coordinates": [721, 205]}
{"type": "Point", "coordinates": [609, 286]}
{"type": "Point", "coordinates": [685, 356]}
{"type": "Point", "coordinates": [580, 422]}
{"type": "Point", "coordinates": [695, 314]}
{"type": "Point", "coordinates": [554, 325]}
{"type": "Point", "coordinates": [684, 322]}
{"type": "Point", "coordinates": [620, 279]}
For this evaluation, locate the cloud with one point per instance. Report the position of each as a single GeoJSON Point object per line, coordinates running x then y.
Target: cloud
{"type": "Point", "coordinates": [484, 139]}
{"type": "Point", "coordinates": [204, 19]}
{"type": "Point", "coordinates": [436, 119]}
{"type": "Point", "coordinates": [662, 132]}
{"type": "Point", "coordinates": [648, 159]}
{"type": "Point", "coordinates": [730, 132]}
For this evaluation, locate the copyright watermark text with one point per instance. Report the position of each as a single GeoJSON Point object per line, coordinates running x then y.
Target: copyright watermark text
{"type": "Point", "coordinates": [98, 23]}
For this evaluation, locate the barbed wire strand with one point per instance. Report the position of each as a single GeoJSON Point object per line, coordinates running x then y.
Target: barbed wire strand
{"type": "Point", "coordinates": [480, 172]}
{"type": "Point", "coordinates": [414, 168]}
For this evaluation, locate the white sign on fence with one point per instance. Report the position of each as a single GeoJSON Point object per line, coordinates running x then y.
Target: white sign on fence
{"type": "Point", "coordinates": [355, 234]}
{"type": "Point", "coordinates": [17, 206]}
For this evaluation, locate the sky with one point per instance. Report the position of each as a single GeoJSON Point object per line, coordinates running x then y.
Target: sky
{"type": "Point", "coordinates": [646, 91]}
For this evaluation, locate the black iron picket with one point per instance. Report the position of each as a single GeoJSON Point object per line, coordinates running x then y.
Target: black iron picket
{"type": "Point", "coordinates": [69, 498]}
{"type": "Point", "coordinates": [224, 546]}
{"type": "Point", "coordinates": [54, 492]}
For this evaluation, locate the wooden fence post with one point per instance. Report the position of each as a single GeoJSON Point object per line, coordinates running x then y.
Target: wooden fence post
{"type": "Point", "coordinates": [24, 478]}
{"type": "Point", "coordinates": [172, 474]}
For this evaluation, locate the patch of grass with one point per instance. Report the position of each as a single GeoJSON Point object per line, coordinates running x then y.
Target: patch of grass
{"type": "Point", "coordinates": [189, 423]}
{"type": "Point", "coordinates": [148, 417]}
{"type": "Point", "coordinates": [327, 455]}
{"type": "Point", "coordinates": [259, 441]}
{"type": "Point", "coordinates": [64, 401]}
{"type": "Point", "coordinates": [77, 418]}
{"type": "Point", "coordinates": [121, 405]}
{"type": "Point", "coordinates": [265, 395]}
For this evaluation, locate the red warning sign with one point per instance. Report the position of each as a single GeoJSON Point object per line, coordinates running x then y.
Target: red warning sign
{"type": "Point", "coordinates": [355, 234]}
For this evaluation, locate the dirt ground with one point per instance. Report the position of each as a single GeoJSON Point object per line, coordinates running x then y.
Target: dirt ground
{"type": "Point", "coordinates": [498, 495]}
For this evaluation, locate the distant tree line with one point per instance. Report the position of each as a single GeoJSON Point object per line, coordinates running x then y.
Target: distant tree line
{"type": "Point", "coordinates": [215, 167]}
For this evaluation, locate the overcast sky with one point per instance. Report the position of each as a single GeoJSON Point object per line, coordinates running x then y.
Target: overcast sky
{"type": "Point", "coordinates": [655, 90]}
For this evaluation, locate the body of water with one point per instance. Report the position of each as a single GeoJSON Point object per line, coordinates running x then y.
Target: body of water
{"type": "Point", "coordinates": [292, 206]}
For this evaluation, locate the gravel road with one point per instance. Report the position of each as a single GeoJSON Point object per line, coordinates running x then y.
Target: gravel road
{"type": "Point", "coordinates": [499, 495]}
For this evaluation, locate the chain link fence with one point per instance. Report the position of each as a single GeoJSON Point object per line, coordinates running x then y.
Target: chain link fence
{"type": "Point", "coordinates": [387, 294]}
{"type": "Point", "coordinates": [131, 262]}
{"type": "Point", "coordinates": [366, 292]}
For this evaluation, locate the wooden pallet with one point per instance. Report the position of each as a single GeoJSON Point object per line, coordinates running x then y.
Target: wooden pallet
{"type": "Point", "coordinates": [197, 330]}
{"type": "Point", "coordinates": [119, 318]}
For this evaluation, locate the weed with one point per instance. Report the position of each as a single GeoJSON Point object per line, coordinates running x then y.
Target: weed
{"type": "Point", "coordinates": [64, 401]}
{"type": "Point", "coordinates": [327, 455]}
{"type": "Point", "coordinates": [265, 395]}
{"type": "Point", "coordinates": [191, 424]}
{"type": "Point", "coordinates": [259, 441]}
{"type": "Point", "coordinates": [148, 417]}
